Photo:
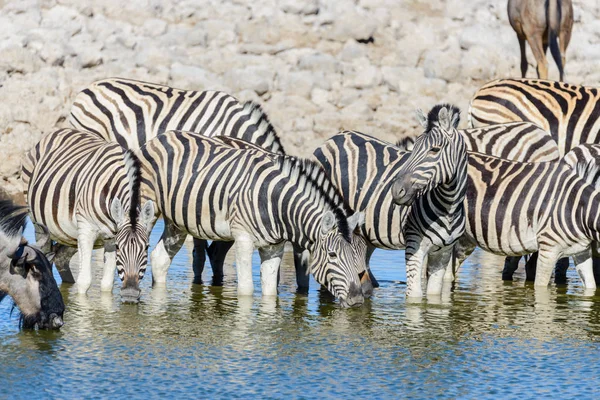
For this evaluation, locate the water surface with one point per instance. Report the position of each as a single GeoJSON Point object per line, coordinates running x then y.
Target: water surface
{"type": "Point", "coordinates": [483, 338]}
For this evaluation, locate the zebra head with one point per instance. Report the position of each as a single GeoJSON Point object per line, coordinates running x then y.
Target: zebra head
{"type": "Point", "coordinates": [338, 257]}
{"type": "Point", "coordinates": [131, 245]}
{"type": "Point", "coordinates": [434, 157]}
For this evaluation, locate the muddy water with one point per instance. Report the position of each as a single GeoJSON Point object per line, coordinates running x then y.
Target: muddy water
{"type": "Point", "coordinates": [484, 338]}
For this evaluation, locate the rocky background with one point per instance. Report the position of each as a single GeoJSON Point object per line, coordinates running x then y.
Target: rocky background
{"type": "Point", "coordinates": [317, 66]}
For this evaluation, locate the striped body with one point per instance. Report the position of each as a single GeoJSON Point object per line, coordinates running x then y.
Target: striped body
{"type": "Point", "coordinates": [518, 208]}
{"type": "Point", "coordinates": [570, 113]}
{"type": "Point", "coordinates": [363, 169]}
{"type": "Point", "coordinates": [517, 141]}
{"type": "Point", "coordinates": [211, 190]}
{"type": "Point", "coordinates": [74, 182]}
{"type": "Point", "coordinates": [132, 112]}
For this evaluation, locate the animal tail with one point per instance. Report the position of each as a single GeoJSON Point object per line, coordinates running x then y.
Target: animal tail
{"type": "Point", "coordinates": [553, 17]}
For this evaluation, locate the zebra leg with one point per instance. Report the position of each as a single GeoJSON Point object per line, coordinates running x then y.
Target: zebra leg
{"type": "Point", "coordinates": [437, 263]}
{"type": "Point", "coordinates": [217, 251]}
{"type": "Point", "coordinates": [531, 267]}
{"type": "Point", "coordinates": [110, 264]}
{"type": "Point", "coordinates": [585, 269]}
{"type": "Point", "coordinates": [546, 260]}
{"type": "Point", "coordinates": [170, 242]}
{"type": "Point", "coordinates": [85, 245]}
{"type": "Point", "coordinates": [270, 260]}
{"type": "Point", "coordinates": [560, 271]}
{"type": "Point", "coordinates": [199, 258]}
{"type": "Point", "coordinates": [511, 263]}
{"type": "Point", "coordinates": [415, 257]}
{"type": "Point", "coordinates": [370, 250]}
{"type": "Point", "coordinates": [461, 250]}
{"type": "Point", "coordinates": [244, 246]}
{"type": "Point", "coordinates": [302, 273]}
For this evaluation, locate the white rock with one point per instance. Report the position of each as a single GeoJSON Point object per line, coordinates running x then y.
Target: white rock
{"type": "Point", "coordinates": [154, 27]}
{"type": "Point", "coordinates": [258, 79]}
{"type": "Point", "coordinates": [352, 50]}
{"type": "Point", "coordinates": [319, 62]}
{"type": "Point", "coordinates": [361, 75]}
{"type": "Point", "coordinates": [305, 7]}
{"type": "Point", "coordinates": [17, 59]}
{"type": "Point", "coordinates": [298, 83]}
{"type": "Point", "coordinates": [193, 78]}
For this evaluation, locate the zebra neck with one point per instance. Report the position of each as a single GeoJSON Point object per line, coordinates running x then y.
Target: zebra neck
{"type": "Point", "coordinates": [302, 226]}
{"type": "Point", "coordinates": [454, 191]}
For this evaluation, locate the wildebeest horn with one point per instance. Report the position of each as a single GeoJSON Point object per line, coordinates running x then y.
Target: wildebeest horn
{"type": "Point", "coordinates": [42, 234]}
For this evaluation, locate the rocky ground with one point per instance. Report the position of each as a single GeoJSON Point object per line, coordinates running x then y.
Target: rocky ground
{"type": "Point", "coordinates": [317, 66]}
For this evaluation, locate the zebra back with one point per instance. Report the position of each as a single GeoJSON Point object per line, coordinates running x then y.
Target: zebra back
{"type": "Point", "coordinates": [570, 113]}
{"type": "Point", "coordinates": [517, 141]}
{"type": "Point", "coordinates": [132, 112]}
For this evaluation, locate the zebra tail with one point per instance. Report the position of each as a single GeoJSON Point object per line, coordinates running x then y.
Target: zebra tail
{"type": "Point", "coordinates": [553, 17]}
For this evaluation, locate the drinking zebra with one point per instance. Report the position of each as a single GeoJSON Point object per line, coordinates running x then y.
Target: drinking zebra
{"type": "Point", "coordinates": [211, 190]}
{"type": "Point", "coordinates": [87, 192]}
{"type": "Point", "coordinates": [570, 113]}
{"type": "Point", "coordinates": [26, 273]}
{"type": "Point", "coordinates": [516, 208]}
{"type": "Point", "coordinates": [132, 112]}
{"type": "Point", "coordinates": [365, 170]}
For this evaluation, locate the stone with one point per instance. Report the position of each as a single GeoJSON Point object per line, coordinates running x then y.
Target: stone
{"type": "Point", "coordinates": [305, 7]}
{"type": "Point", "coordinates": [154, 27]}
{"type": "Point", "coordinates": [352, 50]}
{"type": "Point", "coordinates": [319, 62]}
{"type": "Point", "coordinates": [361, 75]}
{"type": "Point", "coordinates": [193, 78]}
{"type": "Point", "coordinates": [18, 60]}
{"type": "Point", "coordinates": [258, 79]}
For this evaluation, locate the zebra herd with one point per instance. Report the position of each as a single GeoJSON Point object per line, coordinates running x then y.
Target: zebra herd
{"type": "Point", "coordinates": [521, 179]}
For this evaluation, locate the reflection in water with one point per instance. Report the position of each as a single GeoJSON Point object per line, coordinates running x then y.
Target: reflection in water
{"type": "Point", "coordinates": [480, 336]}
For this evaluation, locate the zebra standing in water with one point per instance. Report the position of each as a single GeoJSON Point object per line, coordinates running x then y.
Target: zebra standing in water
{"type": "Point", "coordinates": [215, 191]}
{"type": "Point", "coordinates": [570, 113]}
{"type": "Point", "coordinates": [132, 112]}
{"type": "Point", "coordinates": [518, 208]}
{"type": "Point", "coordinates": [87, 192]}
{"type": "Point", "coordinates": [365, 170]}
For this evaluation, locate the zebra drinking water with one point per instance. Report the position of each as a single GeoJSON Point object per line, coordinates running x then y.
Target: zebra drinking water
{"type": "Point", "coordinates": [87, 192]}
{"type": "Point", "coordinates": [365, 171]}
{"type": "Point", "coordinates": [211, 190]}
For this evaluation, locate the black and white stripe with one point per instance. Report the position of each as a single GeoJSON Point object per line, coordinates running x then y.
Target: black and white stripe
{"type": "Point", "coordinates": [516, 208]}
{"type": "Point", "coordinates": [86, 191]}
{"type": "Point", "coordinates": [211, 190]}
{"type": "Point", "coordinates": [365, 170]}
{"type": "Point", "coordinates": [570, 113]}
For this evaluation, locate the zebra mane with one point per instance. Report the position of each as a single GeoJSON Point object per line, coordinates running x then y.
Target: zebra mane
{"type": "Point", "coordinates": [12, 218]}
{"type": "Point", "coordinates": [433, 115]}
{"type": "Point", "coordinates": [406, 143]}
{"type": "Point", "coordinates": [134, 178]}
{"type": "Point", "coordinates": [265, 135]}
{"type": "Point", "coordinates": [311, 178]}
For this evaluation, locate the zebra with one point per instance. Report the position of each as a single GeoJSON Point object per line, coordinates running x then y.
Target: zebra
{"type": "Point", "coordinates": [26, 273]}
{"type": "Point", "coordinates": [87, 192]}
{"type": "Point", "coordinates": [542, 23]}
{"type": "Point", "coordinates": [570, 113]}
{"type": "Point", "coordinates": [370, 173]}
{"type": "Point", "coordinates": [131, 112]}
{"type": "Point", "coordinates": [516, 208]}
{"type": "Point", "coordinates": [211, 190]}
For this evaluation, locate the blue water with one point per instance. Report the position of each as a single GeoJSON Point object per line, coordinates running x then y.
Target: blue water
{"type": "Point", "coordinates": [482, 339]}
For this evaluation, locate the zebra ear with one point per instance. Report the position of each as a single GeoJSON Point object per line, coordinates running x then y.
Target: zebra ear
{"type": "Point", "coordinates": [444, 118]}
{"type": "Point", "coordinates": [327, 222]}
{"type": "Point", "coordinates": [356, 220]}
{"type": "Point", "coordinates": [455, 119]}
{"type": "Point", "coordinates": [116, 211]}
{"type": "Point", "coordinates": [421, 117]}
{"type": "Point", "coordinates": [147, 214]}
